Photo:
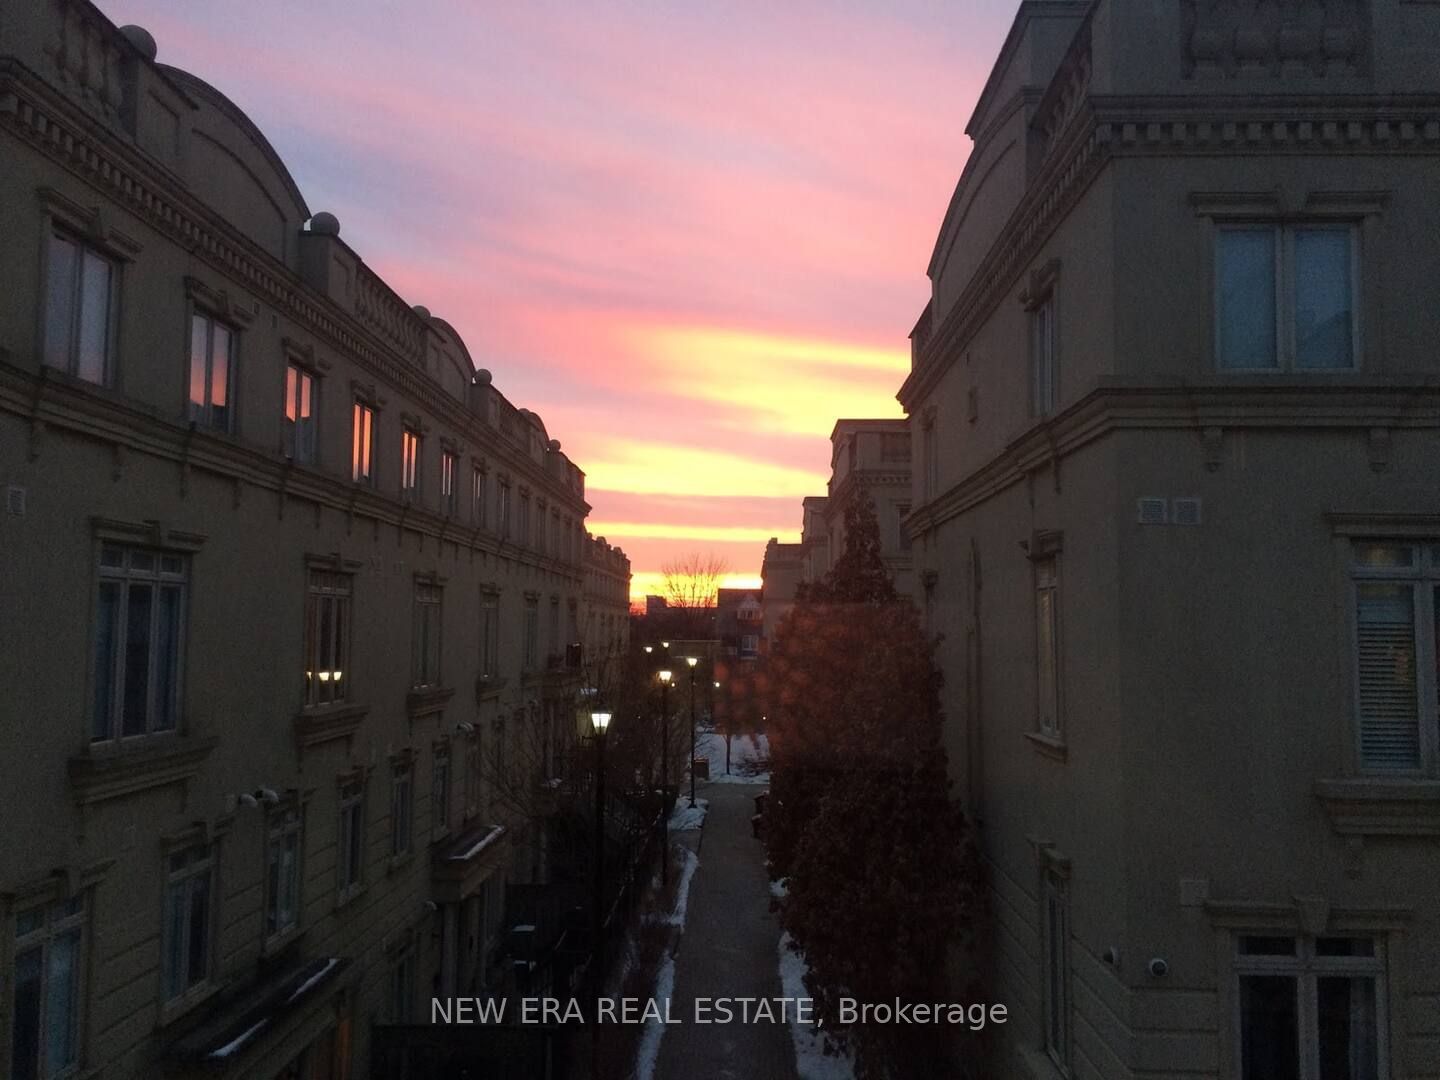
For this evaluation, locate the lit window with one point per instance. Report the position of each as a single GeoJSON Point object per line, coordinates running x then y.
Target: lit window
{"type": "Point", "coordinates": [188, 924]}
{"type": "Point", "coordinates": [362, 450]}
{"type": "Point", "coordinates": [139, 636]}
{"type": "Point", "coordinates": [45, 990]}
{"type": "Point", "coordinates": [1285, 297]}
{"type": "Point", "coordinates": [447, 482]}
{"type": "Point", "coordinates": [502, 513]}
{"type": "Point", "coordinates": [351, 856]}
{"type": "Point", "coordinates": [426, 634]}
{"type": "Point", "coordinates": [282, 873]}
{"type": "Point", "coordinates": [80, 290]}
{"type": "Point", "coordinates": [409, 461]}
{"type": "Point", "coordinates": [300, 413]}
{"type": "Point", "coordinates": [211, 370]}
{"type": "Point", "coordinates": [1310, 1008]}
{"type": "Point", "coordinates": [477, 497]}
{"type": "Point", "coordinates": [327, 637]}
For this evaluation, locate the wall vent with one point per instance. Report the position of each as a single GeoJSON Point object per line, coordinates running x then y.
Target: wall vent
{"type": "Point", "coordinates": [1151, 510]}
{"type": "Point", "coordinates": [1185, 512]}
{"type": "Point", "coordinates": [15, 500]}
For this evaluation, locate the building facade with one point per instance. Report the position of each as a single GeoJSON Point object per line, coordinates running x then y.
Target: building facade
{"type": "Point", "coordinates": [287, 596]}
{"type": "Point", "coordinates": [1175, 403]}
{"type": "Point", "coordinates": [606, 633]}
{"type": "Point", "coordinates": [871, 459]}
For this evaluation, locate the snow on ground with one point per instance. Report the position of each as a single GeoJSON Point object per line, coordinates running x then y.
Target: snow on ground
{"type": "Point", "coordinates": [811, 1061]}
{"type": "Point", "coordinates": [649, 1051]}
{"type": "Point", "coordinates": [684, 817]}
{"type": "Point", "coordinates": [778, 889]}
{"type": "Point", "coordinates": [749, 754]}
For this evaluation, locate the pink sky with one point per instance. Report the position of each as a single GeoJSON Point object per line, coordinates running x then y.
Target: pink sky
{"type": "Point", "coordinates": [688, 235]}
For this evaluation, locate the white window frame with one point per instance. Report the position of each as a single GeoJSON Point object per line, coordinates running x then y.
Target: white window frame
{"type": "Point", "coordinates": [70, 362]}
{"type": "Point", "coordinates": [1423, 579]}
{"type": "Point", "coordinates": [350, 852]}
{"type": "Point", "coordinates": [300, 440]}
{"type": "Point", "coordinates": [1284, 281]}
{"type": "Point", "coordinates": [1055, 966]}
{"type": "Point", "coordinates": [410, 452]}
{"type": "Point", "coordinates": [362, 443]}
{"type": "Point", "coordinates": [427, 630]}
{"type": "Point", "coordinates": [199, 862]}
{"type": "Point", "coordinates": [284, 885]}
{"type": "Point", "coordinates": [477, 497]}
{"type": "Point", "coordinates": [1305, 966]}
{"type": "Point", "coordinates": [1044, 366]}
{"type": "Point", "coordinates": [449, 465]}
{"type": "Point", "coordinates": [202, 412]}
{"type": "Point", "coordinates": [327, 676]}
{"type": "Point", "coordinates": [171, 571]}
{"type": "Point", "coordinates": [57, 919]}
{"type": "Point", "coordinates": [1048, 700]}
{"type": "Point", "coordinates": [502, 508]}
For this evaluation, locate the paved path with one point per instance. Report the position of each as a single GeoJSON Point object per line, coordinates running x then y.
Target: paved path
{"type": "Point", "coordinates": [730, 948]}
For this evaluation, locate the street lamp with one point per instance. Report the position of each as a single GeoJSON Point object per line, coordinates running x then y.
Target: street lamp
{"type": "Point", "coordinates": [599, 723]}
{"type": "Point", "coordinates": [692, 661]}
{"type": "Point", "coordinates": [665, 777]}
{"type": "Point", "coordinates": [648, 649]}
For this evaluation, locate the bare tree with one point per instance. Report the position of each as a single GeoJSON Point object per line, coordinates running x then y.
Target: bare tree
{"type": "Point", "coordinates": [690, 585]}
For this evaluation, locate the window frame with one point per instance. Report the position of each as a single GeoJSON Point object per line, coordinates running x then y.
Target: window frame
{"type": "Point", "coordinates": [1422, 577]}
{"type": "Point", "coordinates": [1055, 730]}
{"type": "Point", "coordinates": [1044, 355]}
{"type": "Point", "coordinates": [200, 413]}
{"type": "Point", "coordinates": [441, 777]}
{"type": "Point", "coordinates": [489, 633]}
{"type": "Point", "coordinates": [60, 916]}
{"type": "Point", "coordinates": [202, 860]}
{"type": "Point", "coordinates": [290, 441]}
{"type": "Point", "coordinates": [284, 822]}
{"type": "Point", "coordinates": [124, 578]}
{"type": "Point", "coordinates": [350, 838]}
{"type": "Point", "coordinates": [1285, 279]}
{"type": "Point", "coordinates": [412, 449]}
{"type": "Point", "coordinates": [342, 599]}
{"type": "Point", "coordinates": [426, 670]}
{"type": "Point", "coordinates": [362, 454]}
{"type": "Point", "coordinates": [57, 230]}
{"type": "Point", "coordinates": [1056, 1016]}
{"type": "Point", "coordinates": [402, 810]}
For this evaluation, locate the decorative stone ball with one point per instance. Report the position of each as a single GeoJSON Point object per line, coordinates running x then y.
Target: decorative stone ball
{"type": "Point", "coordinates": [142, 39]}
{"type": "Point", "coordinates": [421, 310]}
{"type": "Point", "coordinates": [554, 446]}
{"type": "Point", "coordinates": [325, 223]}
{"type": "Point", "coordinates": [483, 377]}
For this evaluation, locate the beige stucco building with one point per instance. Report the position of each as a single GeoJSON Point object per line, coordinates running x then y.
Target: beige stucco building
{"type": "Point", "coordinates": [1175, 403]}
{"type": "Point", "coordinates": [287, 592]}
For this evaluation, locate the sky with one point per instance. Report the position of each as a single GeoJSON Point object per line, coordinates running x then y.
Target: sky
{"type": "Point", "coordinates": [689, 235]}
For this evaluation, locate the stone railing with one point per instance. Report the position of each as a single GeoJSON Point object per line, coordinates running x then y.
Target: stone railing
{"type": "Point", "coordinates": [380, 309]}
{"type": "Point", "coordinates": [88, 56]}
{"type": "Point", "coordinates": [1268, 38]}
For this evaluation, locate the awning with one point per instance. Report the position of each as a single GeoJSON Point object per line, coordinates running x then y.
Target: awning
{"type": "Point", "coordinates": [462, 866]}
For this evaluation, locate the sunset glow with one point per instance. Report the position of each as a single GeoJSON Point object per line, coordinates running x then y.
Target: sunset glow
{"type": "Point", "coordinates": [689, 237]}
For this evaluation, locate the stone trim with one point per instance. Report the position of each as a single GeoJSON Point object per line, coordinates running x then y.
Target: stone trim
{"type": "Point", "coordinates": [1381, 806]}
{"type": "Point", "coordinates": [328, 723]}
{"type": "Point", "coordinates": [160, 762]}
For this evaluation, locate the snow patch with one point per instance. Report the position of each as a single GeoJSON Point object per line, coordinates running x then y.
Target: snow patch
{"type": "Point", "coordinates": [778, 889]}
{"type": "Point", "coordinates": [240, 1040]}
{"type": "Point", "coordinates": [649, 1051]}
{"type": "Point", "coordinates": [330, 966]}
{"type": "Point", "coordinates": [685, 817]}
{"type": "Point", "coordinates": [811, 1061]}
{"type": "Point", "coordinates": [747, 755]}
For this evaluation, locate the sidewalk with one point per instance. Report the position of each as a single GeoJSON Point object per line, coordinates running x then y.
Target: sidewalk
{"type": "Point", "coordinates": [728, 949]}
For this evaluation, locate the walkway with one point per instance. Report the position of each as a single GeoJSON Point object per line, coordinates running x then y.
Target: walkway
{"type": "Point", "coordinates": [730, 948]}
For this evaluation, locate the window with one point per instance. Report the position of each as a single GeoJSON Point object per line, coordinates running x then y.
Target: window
{"type": "Point", "coordinates": [1397, 625]}
{"type": "Point", "coordinates": [282, 872]}
{"type": "Point", "coordinates": [542, 536]}
{"type": "Point", "coordinates": [440, 792]}
{"type": "Point", "coordinates": [1285, 297]}
{"type": "Point", "coordinates": [402, 985]}
{"type": "Point", "coordinates": [426, 634]}
{"type": "Point", "coordinates": [555, 545]}
{"type": "Point", "coordinates": [139, 634]}
{"type": "Point", "coordinates": [212, 347]}
{"type": "Point", "coordinates": [327, 637]}
{"type": "Point", "coordinates": [1055, 976]}
{"type": "Point", "coordinates": [79, 296]}
{"type": "Point", "coordinates": [187, 927]}
{"type": "Point", "coordinates": [448, 497]}
{"type": "Point", "coordinates": [1311, 1008]}
{"type": "Point", "coordinates": [532, 632]}
{"type": "Point", "coordinates": [351, 855]}
{"type": "Point", "coordinates": [502, 511]}
{"type": "Point", "coordinates": [1047, 647]}
{"type": "Point", "coordinates": [489, 634]}
{"type": "Point", "coordinates": [1043, 380]}
{"type": "Point", "coordinates": [401, 803]}
{"type": "Point", "coordinates": [902, 511]}
{"type": "Point", "coordinates": [750, 645]}
{"type": "Point", "coordinates": [362, 449]}
{"type": "Point", "coordinates": [929, 476]}
{"type": "Point", "coordinates": [554, 649]}
{"type": "Point", "coordinates": [45, 990]}
{"type": "Point", "coordinates": [409, 462]}
{"type": "Point", "coordinates": [524, 532]}
{"type": "Point", "coordinates": [477, 497]}
{"type": "Point", "coordinates": [472, 773]}
{"type": "Point", "coordinates": [300, 411]}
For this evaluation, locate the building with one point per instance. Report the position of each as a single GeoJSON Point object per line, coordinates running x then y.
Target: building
{"type": "Point", "coordinates": [739, 623]}
{"type": "Point", "coordinates": [871, 459]}
{"type": "Point", "coordinates": [607, 601]}
{"type": "Point", "coordinates": [781, 571]}
{"type": "Point", "coordinates": [288, 591]}
{"type": "Point", "coordinates": [1176, 401]}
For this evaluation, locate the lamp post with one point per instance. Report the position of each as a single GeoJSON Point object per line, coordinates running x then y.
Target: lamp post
{"type": "Point", "coordinates": [692, 661]}
{"type": "Point", "coordinates": [664, 777]}
{"type": "Point", "coordinates": [729, 725]}
{"type": "Point", "coordinates": [599, 723]}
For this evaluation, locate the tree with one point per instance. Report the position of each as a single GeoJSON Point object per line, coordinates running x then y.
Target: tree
{"type": "Point", "coordinates": [882, 878]}
{"type": "Point", "coordinates": [690, 585]}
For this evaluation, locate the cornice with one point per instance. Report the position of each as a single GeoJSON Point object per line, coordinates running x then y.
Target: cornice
{"type": "Point", "coordinates": [45, 120]}
{"type": "Point", "coordinates": [1358, 404]}
{"type": "Point", "coordinates": [1206, 125]}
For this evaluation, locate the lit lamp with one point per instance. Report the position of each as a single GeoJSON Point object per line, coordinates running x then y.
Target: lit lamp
{"type": "Point", "coordinates": [599, 724]}
{"type": "Point", "coordinates": [664, 777]}
{"type": "Point", "coordinates": [692, 661]}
